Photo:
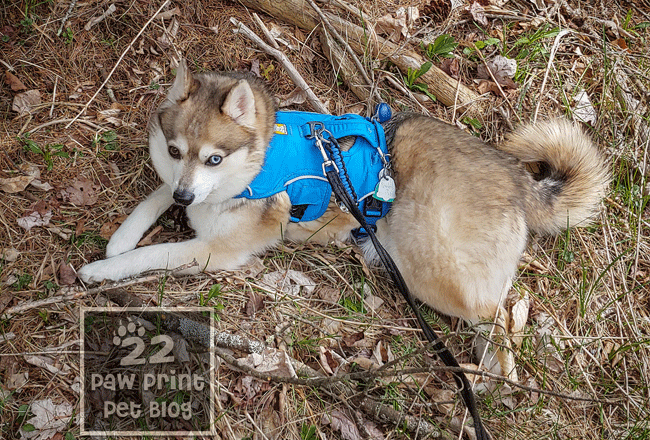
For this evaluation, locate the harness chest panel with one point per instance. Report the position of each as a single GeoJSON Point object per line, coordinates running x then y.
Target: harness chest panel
{"type": "Point", "coordinates": [294, 164]}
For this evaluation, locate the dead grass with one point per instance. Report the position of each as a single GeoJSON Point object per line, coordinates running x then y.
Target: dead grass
{"type": "Point", "coordinates": [587, 334]}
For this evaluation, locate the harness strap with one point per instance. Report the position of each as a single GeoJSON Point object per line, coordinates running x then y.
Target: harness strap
{"type": "Point", "coordinates": [442, 351]}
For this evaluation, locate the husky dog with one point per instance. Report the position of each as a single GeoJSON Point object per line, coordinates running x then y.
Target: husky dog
{"type": "Point", "coordinates": [457, 227]}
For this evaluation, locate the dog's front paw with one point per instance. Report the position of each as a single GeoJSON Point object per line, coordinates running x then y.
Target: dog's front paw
{"type": "Point", "coordinates": [97, 272]}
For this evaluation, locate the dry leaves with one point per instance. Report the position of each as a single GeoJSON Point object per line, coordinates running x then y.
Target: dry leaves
{"type": "Point", "coordinates": [13, 81]}
{"type": "Point", "coordinates": [583, 110]}
{"type": "Point", "coordinates": [398, 27]}
{"type": "Point", "coordinates": [82, 192]}
{"type": "Point", "coordinates": [26, 101]}
{"type": "Point", "coordinates": [67, 275]}
{"type": "Point", "coordinates": [49, 419]}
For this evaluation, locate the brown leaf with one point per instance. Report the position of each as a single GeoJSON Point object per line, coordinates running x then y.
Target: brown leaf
{"type": "Point", "coordinates": [34, 219]}
{"type": "Point", "coordinates": [13, 81]}
{"type": "Point", "coordinates": [82, 192]}
{"type": "Point", "coordinates": [349, 340]}
{"type": "Point", "coordinates": [478, 13]}
{"type": "Point", "coordinates": [620, 42]}
{"type": "Point", "coordinates": [23, 102]}
{"type": "Point", "coordinates": [254, 304]}
{"type": "Point", "coordinates": [67, 275]}
{"type": "Point", "coordinates": [108, 229]}
{"type": "Point", "coordinates": [13, 185]}
{"type": "Point", "coordinates": [485, 86]}
{"type": "Point", "coordinates": [451, 67]}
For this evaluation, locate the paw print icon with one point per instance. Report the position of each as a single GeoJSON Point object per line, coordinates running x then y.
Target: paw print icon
{"type": "Point", "coordinates": [133, 333]}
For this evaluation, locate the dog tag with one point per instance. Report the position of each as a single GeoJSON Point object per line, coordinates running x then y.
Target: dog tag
{"type": "Point", "coordinates": [385, 189]}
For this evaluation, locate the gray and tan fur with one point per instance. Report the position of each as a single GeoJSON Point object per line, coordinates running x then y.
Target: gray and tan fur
{"type": "Point", "coordinates": [457, 228]}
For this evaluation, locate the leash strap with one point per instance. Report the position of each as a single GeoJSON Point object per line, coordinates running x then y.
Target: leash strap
{"type": "Point", "coordinates": [334, 172]}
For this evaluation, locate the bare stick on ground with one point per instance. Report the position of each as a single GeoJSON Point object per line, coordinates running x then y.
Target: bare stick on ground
{"type": "Point", "coordinates": [282, 58]}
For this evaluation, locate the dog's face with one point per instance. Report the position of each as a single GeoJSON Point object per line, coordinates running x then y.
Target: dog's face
{"type": "Point", "coordinates": [208, 139]}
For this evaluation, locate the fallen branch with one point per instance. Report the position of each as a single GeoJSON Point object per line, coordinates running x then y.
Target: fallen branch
{"type": "Point", "coordinates": [298, 13]}
{"type": "Point", "coordinates": [343, 66]}
{"type": "Point", "coordinates": [282, 58]}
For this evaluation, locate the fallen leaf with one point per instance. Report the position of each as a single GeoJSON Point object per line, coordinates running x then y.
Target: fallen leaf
{"type": "Point", "coordinates": [67, 275]}
{"type": "Point", "coordinates": [373, 302]}
{"type": "Point", "coordinates": [296, 97]}
{"type": "Point", "coordinates": [254, 304]}
{"type": "Point", "coordinates": [341, 422]}
{"type": "Point", "coordinates": [282, 281]}
{"type": "Point", "coordinates": [13, 81]}
{"type": "Point", "coordinates": [485, 86]}
{"type": "Point", "coordinates": [271, 361]}
{"type": "Point", "coordinates": [35, 219]}
{"type": "Point", "coordinates": [451, 67]}
{"type": "Point", "coordinates": [255, 68]}
{"type": "Point", "coordinates": [179, 350]}
{"type": "Point", "coordinates": [108, 229]}
{"type": "Point", "coordinates": [24, 102]}
{"type": "Point", "coordinates": [48, 364]}
{"type": "Point", "coordinates": [13, 185]}
{"type": "Point", "coordinates": [478, 13]}
{"type": "Point", "coordinates": [49, 419]}
{"type": "Point", "coordinates": [17, 380]}
{"type": "Point", "coordinates": [399, 26]}
{"type": "Point", "coordinates": [583, 111]}
{"type": "Point", "coordinates": [9, 254]}
{"type": "Point", "coordinates": [502, 68]}
{"type": "Point", "coordinates": [82, 192]}
{"type": "Point", "coordinates": [349, 340]}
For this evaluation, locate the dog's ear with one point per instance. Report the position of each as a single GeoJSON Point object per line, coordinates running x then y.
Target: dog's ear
{"type": "Point", "coordinates": [184, 85]}
{"type": "Point", "coordinates": [240, 104]}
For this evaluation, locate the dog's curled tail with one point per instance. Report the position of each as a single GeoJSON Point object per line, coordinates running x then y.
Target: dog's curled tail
{"type": "Point", "coordinates": [573, 178]}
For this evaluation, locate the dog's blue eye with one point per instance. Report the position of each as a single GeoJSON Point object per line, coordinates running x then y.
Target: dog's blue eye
{"type": "Point", "coordinates": [214, 160]}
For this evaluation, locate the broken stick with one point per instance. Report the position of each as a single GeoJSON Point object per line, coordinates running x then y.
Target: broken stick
{"type": "Point", "coordinates": [282, 58]}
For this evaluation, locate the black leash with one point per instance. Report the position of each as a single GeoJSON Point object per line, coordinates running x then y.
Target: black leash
{"type": "Point", "coordinates": [333, 169]}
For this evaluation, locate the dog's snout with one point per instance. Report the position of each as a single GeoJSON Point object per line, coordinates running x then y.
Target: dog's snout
{"type": "Point", "coordinates": [183, 197]}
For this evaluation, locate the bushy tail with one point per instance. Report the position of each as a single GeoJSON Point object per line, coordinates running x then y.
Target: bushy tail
{"type": "Point", "coordinates": [573, 178]}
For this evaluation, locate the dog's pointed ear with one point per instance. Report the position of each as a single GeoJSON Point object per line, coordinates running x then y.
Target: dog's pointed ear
{"type": "Point", "coordinates": [240, 104]}
{"type": "Point", "coordinates": [184, 85]}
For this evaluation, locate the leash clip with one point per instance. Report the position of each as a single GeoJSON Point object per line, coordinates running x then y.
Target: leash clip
{"type": "Point", "coordinates": [317, 135]}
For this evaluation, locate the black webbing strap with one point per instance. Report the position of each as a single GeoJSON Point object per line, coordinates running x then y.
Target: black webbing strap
{"type": "Point", "coordinates": [441, 350]}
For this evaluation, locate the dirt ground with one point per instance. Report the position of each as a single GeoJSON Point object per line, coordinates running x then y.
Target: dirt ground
{"type": "Point", "coordinates": [75, 97]}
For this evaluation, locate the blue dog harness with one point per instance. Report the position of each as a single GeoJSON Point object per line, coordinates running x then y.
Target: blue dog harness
{"type": "Point", "coordinates": [294, 164]}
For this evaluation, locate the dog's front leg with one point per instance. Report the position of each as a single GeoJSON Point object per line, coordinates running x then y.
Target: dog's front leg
{"type": "Point", "coordinates": [225, 240]}
{"type": "Point", "coordinates": [159, 256]}
{"type": "Point", "coordinates": [143, 216]}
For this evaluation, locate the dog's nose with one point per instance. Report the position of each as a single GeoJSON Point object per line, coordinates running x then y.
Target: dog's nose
{"type": "Point", "coordinates": [183, 197]}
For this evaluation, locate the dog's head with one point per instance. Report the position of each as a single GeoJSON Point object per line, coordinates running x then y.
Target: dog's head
{"type": "Point", "coordinates": [208, 139]}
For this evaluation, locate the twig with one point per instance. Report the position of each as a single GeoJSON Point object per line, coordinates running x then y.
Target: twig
{"type": "Point", "coordinates": [341, 40]}
{"type": "Point", "coordinates": [75, 296]}
{"type": "Point", "coordinates": [56, 81]}
{"type": "Point", "coordinates": [63, 121]}
{"type": "Point", "coordinates": [96, 20]}
{"type": "Point", "coordinates": [282, 58]}
{"type": "Point", "coordinates": [108, 77]}
{"type": "Point", "coordinates": [556, 44]}
{"type": "Point", "coordinates": [73, 3]}
{"type": "Point", "coordinates": [265, 31]}
{"type": "Point", "coordinates": [407, 92]}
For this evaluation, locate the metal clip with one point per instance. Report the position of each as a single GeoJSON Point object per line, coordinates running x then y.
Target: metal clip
{"type": "Point", "coordinates": [317, 135]}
